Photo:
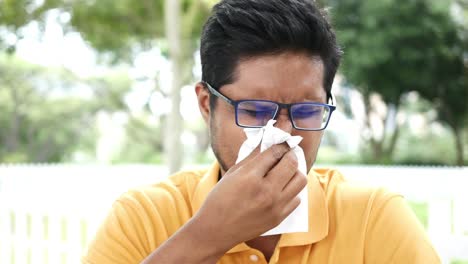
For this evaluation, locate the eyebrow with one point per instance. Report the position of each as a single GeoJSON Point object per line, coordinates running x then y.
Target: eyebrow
{"type": "Point", "coordinates": [309, 98]}
{"type": "Point", "coordinates": [316, 99]}
{"type": "Point", "coordinates": [230, 100]}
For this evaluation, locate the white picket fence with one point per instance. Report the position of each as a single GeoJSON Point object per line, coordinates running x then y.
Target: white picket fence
{"type": "Point", "coordinates": [49, 213]}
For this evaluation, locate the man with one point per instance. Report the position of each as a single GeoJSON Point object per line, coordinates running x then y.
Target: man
{"type": "Point", "coordinates": [262, 60]}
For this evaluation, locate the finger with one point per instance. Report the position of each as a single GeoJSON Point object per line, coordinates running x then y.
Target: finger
{"type": "Point", "coordinates": [252, 154]}
{"type": "Point", "coordinates": [262, 163]}
{"type": "Point", "coordinates": [297, 183]}
{"type": "Point", "coordinates": [291, 206]}
{"type": "Point", "coordinates": [283, 171]}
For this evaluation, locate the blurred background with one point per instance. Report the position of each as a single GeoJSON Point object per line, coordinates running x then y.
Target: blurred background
{"type": "Point", "coordinates": [97, 97]}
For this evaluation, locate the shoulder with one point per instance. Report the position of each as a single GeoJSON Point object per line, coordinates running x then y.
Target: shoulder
{"type": "Point", "coordinates": [353, 207]}
{"type": "Point", "coordinates": [341, 192]}
{"type": "Point", "coordinates": [143, 218]}
{"type": "Point", "coordinates": [174, 192]}
{"type": "Point", "coordinates": [379, 220]}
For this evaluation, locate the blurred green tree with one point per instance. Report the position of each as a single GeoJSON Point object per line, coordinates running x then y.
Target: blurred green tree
{"type": "Point", "coordinates": [124, 28]}
{"type": "Point", "coordinates": [46, 114]}
{"type": "Point", "coordinates": [143, 143]}
{"type": "Point", "coordinates": [449, 93]}
{"type": "Point", "coordinates": [15, 14]}
{"type": "Point", "coordinates": [119, 31]}
{"type": "Point", "coordinates": [37, 123]}
{"type": "Point", "coordinates": [393, 47]}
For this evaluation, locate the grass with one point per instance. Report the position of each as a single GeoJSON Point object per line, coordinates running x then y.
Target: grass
{"type": "Point", "coordinates": [459, 261]}
{"type": "Point", "coordinates": [421, 211]}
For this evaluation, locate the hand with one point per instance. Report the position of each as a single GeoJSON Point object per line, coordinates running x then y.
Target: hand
{"type": "Point", "coordinates": [251, 198]}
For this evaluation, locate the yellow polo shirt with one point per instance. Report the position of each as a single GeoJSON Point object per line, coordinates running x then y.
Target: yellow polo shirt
{"type": "Point", "coordinates": [347, 224]}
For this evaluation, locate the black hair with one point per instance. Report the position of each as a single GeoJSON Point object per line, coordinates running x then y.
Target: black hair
{"type": "Point", "coordinates": [239, 29]}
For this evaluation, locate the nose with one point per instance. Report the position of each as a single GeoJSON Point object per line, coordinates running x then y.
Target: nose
{"type": "Point", "coordinates": [283, 122]}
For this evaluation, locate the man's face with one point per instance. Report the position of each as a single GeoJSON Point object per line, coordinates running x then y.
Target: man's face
{"type": "Point", "coordinates": [284, 78]}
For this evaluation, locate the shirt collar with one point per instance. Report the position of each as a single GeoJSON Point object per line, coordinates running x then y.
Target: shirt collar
{"type": "Point", "coordinates": [318, 210]}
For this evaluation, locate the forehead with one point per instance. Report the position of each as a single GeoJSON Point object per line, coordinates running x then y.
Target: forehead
{"type": "Point", "coordinates": [285, 77]}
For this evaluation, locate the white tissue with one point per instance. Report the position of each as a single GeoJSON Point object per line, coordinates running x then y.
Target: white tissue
{"type": "Point", "coordinates": [298, 220]}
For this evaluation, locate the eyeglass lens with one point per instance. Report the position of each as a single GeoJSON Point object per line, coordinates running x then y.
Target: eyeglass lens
{"type": "Point", "coordinates": [253, 113]}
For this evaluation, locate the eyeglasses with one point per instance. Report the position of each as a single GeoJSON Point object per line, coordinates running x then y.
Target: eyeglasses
{"type": "Point", "coordinates": [308, 116]}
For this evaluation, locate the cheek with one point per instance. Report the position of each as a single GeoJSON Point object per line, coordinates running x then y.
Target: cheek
{"type": "Point", "coordinates": [234, 136]}
{"type": "Point", "coordinates": [227, 138]}
{"type": "Point", "coordinates": [310, 144]}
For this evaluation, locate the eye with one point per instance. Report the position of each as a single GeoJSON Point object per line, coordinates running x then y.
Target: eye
{"type": "Point", "coordinates": [255, 112]}
{"type": "Point", "coordinates": [304, 114]}
{"type": "Point", "coordinates": [307, 111]}
{"type": "Point", "coordinates": [248, 112]}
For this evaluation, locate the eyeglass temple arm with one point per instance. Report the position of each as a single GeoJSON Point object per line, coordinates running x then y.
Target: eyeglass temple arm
{"type": "Point", "coordinates": [218, 94]}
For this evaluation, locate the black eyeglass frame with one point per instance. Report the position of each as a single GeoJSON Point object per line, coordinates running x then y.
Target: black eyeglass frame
{"type": "Point", "coordinates": [235, 103]}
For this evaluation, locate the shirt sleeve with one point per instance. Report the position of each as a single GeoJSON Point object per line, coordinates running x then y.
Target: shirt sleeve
{"type": "Point", "coordinates": [395, 235]}
{"type": "Point", "coordinates": [118, 240]}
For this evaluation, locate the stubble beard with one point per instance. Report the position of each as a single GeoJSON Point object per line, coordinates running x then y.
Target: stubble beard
{"type": "Point", "coordinates": [215, 148]}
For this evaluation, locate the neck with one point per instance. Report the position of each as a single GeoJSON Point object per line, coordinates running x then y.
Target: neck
{"type": "Point", "coordinates": [265, 244]}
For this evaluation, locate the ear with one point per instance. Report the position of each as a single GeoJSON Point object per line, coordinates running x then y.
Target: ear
{"type": "Point", "coordinates": [203, 98]}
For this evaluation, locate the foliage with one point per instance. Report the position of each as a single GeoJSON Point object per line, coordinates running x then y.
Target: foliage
{"type": "Point", "coordinates": [15, 14]}
{"type": "Point", "coordinates": [392, 46]}
{"type": "Point", "coordinates": [37, 123]}
{"type": "Point", "coordinates": [49, 114]}
{"type": "Point", "coordinates": [396, 46]}
{"type": "Point", "coordinates": [413, 150]}
{"type": "Point", "coordinates": [120, 30]}
{"type": "Point", "coordinates": [124, 29]}
{"type": "Point", "coordinates": [143, 143]}
{"type": "Point", "coordinates": [329, 155]}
